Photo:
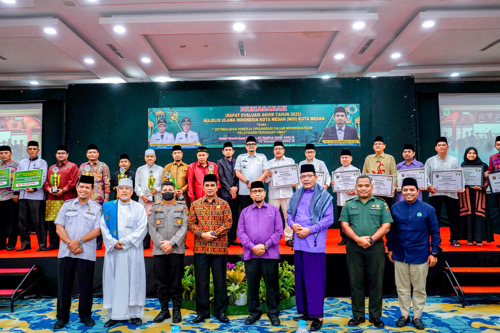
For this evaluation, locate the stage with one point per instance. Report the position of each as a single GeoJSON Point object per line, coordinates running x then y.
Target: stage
{"type": "Point", "coordinates": [337, 275]}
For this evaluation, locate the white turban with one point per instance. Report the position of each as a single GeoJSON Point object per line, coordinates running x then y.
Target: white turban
{"type": "Point", "coordinates": [126, 182]}
{"type": "Point", "coordinates": [149, 152]}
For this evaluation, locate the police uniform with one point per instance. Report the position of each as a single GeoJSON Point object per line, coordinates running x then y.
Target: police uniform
{"type": "Point", "coordinates": [365, 219]}
{"type": "Point", "coordinates": [169, 222]}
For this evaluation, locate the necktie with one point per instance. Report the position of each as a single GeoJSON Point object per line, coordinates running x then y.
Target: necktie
{"type": "Point", "coordinates": [161, 136]}
{"type": "Point", "coordinates": [186, 136]}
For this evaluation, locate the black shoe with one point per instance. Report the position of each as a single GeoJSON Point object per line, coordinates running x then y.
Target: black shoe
{"type": "Point", "coordinates": [42, 249]}
{"type": "Point", "coordinates": [275, 321]}
{"type": "Point", "coordinates": [162, 316]}
{"type": "Point", "coordinates": [199, 319]}
{"type": "Point", "coordinates": [52, 247]}
{"type": "Point", "coordinates": [223, 318]}
{"type": "Point", "coordinates": [10, 248]}
{"type": "Point", "coordinates": [176, 315]}
{"type": "Point", "coordinates": [136, 321]}
{"type": "Point", "coordinates": [60, 324]}
{"type": "Point", "coordinates": [498, 245]}
{"type": "Point", "coordinates": [24, 248]}
{"type": "Point", "coordinates": [111, 323]}
{"type": "Point", "coordinates": [87, 321]}
{"type": "Point", "coordinates": [418, 323]}
{"type": "Point", "coordinates": [316, 325]}
{"type": "Point", "coordinates": [377, 322]}
{"type": "Point", "coordinates": [402, 321]}
{"type": "Point", "coordinates": [252, 319]}
{"type": "Point", "coordinates": [356, 321]}
{"type": "Point", "coordinates": [289, 243]}
{"type": "Point", "coordinates": [455, 243]}
{"type": "Point", "coordinates": [301, 317]}
{"type": "Point", "coordinates": [342, 242]}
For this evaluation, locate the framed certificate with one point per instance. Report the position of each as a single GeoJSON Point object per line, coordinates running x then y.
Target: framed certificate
{"type": "Point", "coordinates": [447, 180]}
{"type": "Point", "coordinates": [383, 185]}
{"type": "Point", "coordinates": [417, 173]}
{"type": "Point", "coordinates": [473, 176]}
{"type": "Point", "coordinates": [284, 176]}
{"type": "Point", "coordinates": [344, 180]}
{"type": "Point", "coordinates": [4, 178]}
{"type": "Point", "coordinates": [27, 179]}
{"type": "Point", "coordinates": [494, 178]}
{"type": "Point", "coordinates": [321, 178]}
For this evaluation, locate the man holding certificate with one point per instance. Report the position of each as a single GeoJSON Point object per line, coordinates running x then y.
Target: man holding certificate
{"type": "Point", "coordinates": [324, 178]}
{"type": "Point", "coordinates": [409, 163]}
{"type": "Point", "coordinates": [443, 161]}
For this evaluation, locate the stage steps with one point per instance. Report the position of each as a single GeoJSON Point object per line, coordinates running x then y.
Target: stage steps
{"type": "Point", "coordinates": [29, 276]}
{"type": "Point", "coordinates": [471, 275]}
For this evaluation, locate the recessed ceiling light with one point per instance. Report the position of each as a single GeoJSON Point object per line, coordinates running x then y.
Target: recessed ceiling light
{"type": "Point", "coordinates": [9, 2]}
{"type": "Point", "coordinates": [238, 26]}
{"type": "Point", "coordinates": [358, 25]}
{"type": "Point", "coordinates": [146, 60]}
{"type": "Point", "coordinates": [428, 24]}
{"type": "Point", "coordinates": [396, 55]}
{"type": "Point", "coordinates": [339, 56]}
{"type": "Point", "coordinates": [89, 61]}
{"type": "Point", "coordinates": [163, 79]}
{"type": "Point", "coordinates": [454, 74]}
{"type": "Point", "coordinates": [34, 83]}
{"type": "Point", "coordinates": [325, 77]}
{"type": "Point", "coordinates": [120, 29]}
{"type": "Point", "coordinates": [50, 31]}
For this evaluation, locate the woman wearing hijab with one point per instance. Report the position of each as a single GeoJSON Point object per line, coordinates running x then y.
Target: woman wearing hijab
{"type": "Point", "coordinates": [474, 220]}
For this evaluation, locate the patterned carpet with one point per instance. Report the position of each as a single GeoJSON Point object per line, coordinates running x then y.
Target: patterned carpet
{"type": "Point", "coordinates": [442, 314]}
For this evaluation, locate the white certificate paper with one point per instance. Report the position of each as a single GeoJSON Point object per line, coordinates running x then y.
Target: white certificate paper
{"type": "Point", "coordinates": [494, 178]}
{"type": "Point", "coordinates": [447, 180]}
{"type": "Point", "coordinates": [321, 178]}
{"type": "Point", "coordinates": [383, 185]}
{"type": "Point", "coordinates": [473, 176]}
{"type": "Point", "coordinates": [285, 176]}
{"type": "Point", "coordinates": [344, 180]}
{"type": "Point", "coordinates": [417, 173]}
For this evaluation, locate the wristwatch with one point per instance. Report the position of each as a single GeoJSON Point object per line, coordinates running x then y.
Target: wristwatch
{"type": "Point", "coordinates": [247, 182]}
{"type": "Point", "coordinates": [80, 241]}
{"type": "Point", "coordinates": [172, 242]}
{"type": "Point", "coordinates": [267, 247]}
{"type": "Point", "coordinates": [435, 255]}
{"type": "Point", "coordinates": [371, 241]}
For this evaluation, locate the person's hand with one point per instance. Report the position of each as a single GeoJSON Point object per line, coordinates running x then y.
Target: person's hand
{"type": "Point", "coordinates": [166, 247]}
{"type": "Point", "coordinates": [432, 189]}
{"type": "Point", "coordinates": [389, 255]}
{"type": "Point", "coordinates": [59, 193]}
{"type": "Point", "coordinates": [325, 187]}
{"type": "Point", "coordinates": [294, 185]}
{"type": "Point", "coordinates": [249, 185]}
{"type": "Point", "coordinates": [269, 174]}
{"type": "Point", "coordinates": [15, 198]}
{"type": "Point", "coordinates": [351, 192]}
{"type": "Point", "coordinates": [208, 236]}
{"type": "Point", "coordinates": [461, 191]}
{"type": "Point", "coordinates": [332, 183]}
{"type": "Point", "coordinates": [364, 242]}
{"type": "Point", "coordinates": [178, 192]}
{"type": "Point", "coordinates": [154, 191]}
{"type": "Point", "coordinates": [486, 174]}
{"type": "Point", "coordinates": [145, 198]}
{"type": "Point", "coordinates": [233, 190]}
{"type": "Point", "coordinates": [233, 196]}
{"type": "Point", "coordinates": [119, 246]}
{"type": "Point", "coordinates": [423, 189]}
{"type": "Point", "coordinates": [78, 250]}
{"type": "Point", "coordinates": [432, 261]}
{"type": "Point", "coordinates": [29, 190]}
{"type": "Point", "coordinates": [477, 188]}
{"type": "Point", "coordinates": [73, 245]}
{"type": "Point", "coordinates": [259, 250]}
{"type": "Point", "coordinates": [303, 232]}
{"type": "Point", "coordinates": [296, 227]}
{"type": "Point", "coordinates": [106, 199]}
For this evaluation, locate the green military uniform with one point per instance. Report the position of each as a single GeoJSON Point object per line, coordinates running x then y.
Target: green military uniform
{"type": "Point", "coordinates": [365, 218]}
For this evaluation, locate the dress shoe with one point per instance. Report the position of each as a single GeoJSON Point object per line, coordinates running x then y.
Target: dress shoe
{"type": "Point", "coordinates": [275, 321]}
{"type": "Point", "coordinates": [356, 321]}
{"type": "Point", "coordinates": [198, 319]}
{"type": "Point", "coordinates": [301, 317]}
{"type": "Point", "coordinates": [252, 319]}
{"type": "Point", "coordinates": [498, 245]}
{"type": "Point", "coordinates": [342, 242]}
{"type": "Point", "coordinates": [418, 324]}
{"type": "Point", "coordinates": [176, 315]}
{"type": "Point", "coordinates": [223, 318]}
{"type": "Point", "coordinates": [87, 321]}
{"type": "Point", "coordinates": [52, 247]}
{"type": "Point", "coordinates": [289, 243]}
{"type": "Point", "coordinates": [60, 324]}
{"type": "Point", "coordinates": [316, 325]}
{"type": "Point", "coordinates": [164, 314]}
{"type": "Point", "coordinates": [402, 321]}
{"type": "Point", "coordinates": [10, 248]}
{"type": "Point", "coordinates": [377, 322]}
{"type": "Point", "coordinates": [24, 248]}
{"type": "Point", "coordinates": [42, 249]}
{"type": "Point", "coordinates": [111, 323]}
{"type": "Point", "coordinates": [136, 321]}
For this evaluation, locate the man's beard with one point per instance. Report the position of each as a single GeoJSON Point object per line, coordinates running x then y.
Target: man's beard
{"type": "Point", "coordinates": [258, 201]}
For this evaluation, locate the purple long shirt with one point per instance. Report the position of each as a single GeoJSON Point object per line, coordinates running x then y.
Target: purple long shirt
{"type": "Point", "coordinates": [413, 165]}
{"type": "Point", "coordinates": [303, 217]}
{"type": "Point", "coordinates": [260, 226]}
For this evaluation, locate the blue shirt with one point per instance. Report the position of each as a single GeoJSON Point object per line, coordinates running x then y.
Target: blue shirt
{"type": "Point", "coordinates": [408, 238]}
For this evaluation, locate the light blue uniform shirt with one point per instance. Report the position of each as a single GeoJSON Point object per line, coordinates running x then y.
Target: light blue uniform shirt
{"type": "Point", "coordinates": [252, 168]}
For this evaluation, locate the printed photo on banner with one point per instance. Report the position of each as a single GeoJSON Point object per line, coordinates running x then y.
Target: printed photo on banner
{"type": "Point", "coordinates": [294, 125]}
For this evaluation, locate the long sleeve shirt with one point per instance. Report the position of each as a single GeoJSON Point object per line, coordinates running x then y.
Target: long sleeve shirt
{"type": "Point", "coordinates": [408, 238]}
{"type": "Point", "coordinates": [279, 192]}
{"type": "Point", "coordinates": [260, 226]}
{"type": "Point", "coordinates": [252, 167]}
{"type": "Point", "coordinates": [179, 173]}
{"type": "Point", "coordinates": [114, 182]}
{"type": "Point", "coordinates": [102, 177]}
{"type": "Point", "coordinates": [437, 163]}
{"type": "Point", "coordinates": [342, 196]}
{"type": "Point", "coordinates": [384, 164]}
{"type": "Point", "coordinates": [6, 193]}
{"type": "Point", "coordinates": [303, 217]}
{"type": "Point", "coordinates": [196, 173]}
{"type": "Point", "coordinates": [68, 177]}
{"type": "Point", "coordinates": [494, 164]}
{"type": "Point", "coordinates": [33, 164]}
{"type": "Point", "coordinates": [414, 164]}
{"type": "Point", "coordinates": [319, 166]}
{"type": "Point", "coordinates": [141, 181]}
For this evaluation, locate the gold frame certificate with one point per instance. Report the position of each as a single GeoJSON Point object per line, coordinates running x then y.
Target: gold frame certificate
{"type": "Point", "coordinates": [285, 176]}
{"type": "Point", "coordinates": [417, 173]}
{"type": "Point", "coordinates": [494, 178]}
{"type": "Point", "coordinates": [448, 180]}
{"type": "Point", "coordinates": [473, 176]}
{"type": "Point", "coordinates": [383, 185]}
{"type": "Point", "coordinates": [345, 180]}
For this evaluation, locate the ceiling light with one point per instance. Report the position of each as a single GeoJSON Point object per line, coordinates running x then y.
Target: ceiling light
{"type": "Point", "coordinates": [358, 25]}
{"type": "Point", "coordinates": [89, 61]}
{"type": "Point", "coordinates": [146, 60]}
{"type": "Point", "coordinates": [454, 74]}
{"type": "Point", "coordinates": [428, 24]}
{"type": "Point", "coordinates": [396, 55]}
{"type": "Point", "coordinates": [374, 76]}
{"type": "Point", "coordinates": [34, 83]}
{"type": "Point", "coordinates": [50, 31]}
{"type": "Point", "coordinates": [9, 2]}
{"type": "Point", "coordinates": [339, 56]}
{"type": "Point", "coordinates": [163, 79]}
{"type": "Point", "coordinates": [325, 77]}
{"type": "Point", "coordinates": [239, 27]}
{"type": "Point", "coordinates": [120, 29]}
{"type": "Point", "coordinates": [113, 80]}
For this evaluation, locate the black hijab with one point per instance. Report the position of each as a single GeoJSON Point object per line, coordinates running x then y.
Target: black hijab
{"type": "Point", "coordinates": [476, 162]}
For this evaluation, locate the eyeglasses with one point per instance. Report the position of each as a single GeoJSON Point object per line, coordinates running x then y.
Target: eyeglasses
{"type": "Point", "coordinates": [308, 175]}
{"type": "Point", "coordinates": [278, 149]}
{"type": "Point", "coordinates": [251, 144]}
{"type": "Point", "coordinates": [62, 153]}
{"type": "Point", "coordinates": [257, 191]}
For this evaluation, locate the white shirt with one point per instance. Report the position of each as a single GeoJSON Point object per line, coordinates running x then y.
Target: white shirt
{"type": "Point", "coordinates": [437, 163]}
{"type": "Point", "coordinates": [36, 164]}
{"type": "Point", "coordinates": [340, 132]}
{"type": "Point", "coordinates": [279, 192]}
{"type": "Point", "coordinates": [141, 181]}
{"type": "Point", "coordinates": [162, 138]}
{"type": "Point", "coordinates": [319, 166]}
{"type": "Point", "coordinates": [342, 196]}
{"type": "Point", "coordinates": [189, 137]}
{"type": "Point", "coordinates": [252, 167]}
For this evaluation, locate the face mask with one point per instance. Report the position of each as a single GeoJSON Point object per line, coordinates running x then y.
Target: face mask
{"type": "Point", "coordinates": [167, 196]}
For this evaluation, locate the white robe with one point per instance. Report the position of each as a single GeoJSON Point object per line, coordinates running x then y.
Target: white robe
{"type": "Point", "coordinates": [124, 273]}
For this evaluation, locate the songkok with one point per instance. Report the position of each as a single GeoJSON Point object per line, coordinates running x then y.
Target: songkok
{"type": "Point", "coordinates": [278, 143]}
{"type": "Point", "coordinates": [202, 149]}
{"type": "Point", "coordinates": [307, 168]}
{"type": "Point", "coordinates": [442, 139]}
{"type": "Point", "coordinates": [161, 121]}
{"type": "Point", "coordinates": [256, 184]}
{"type": "Point", "coordinates": [409, 146]}
{"type": "Point", "coordinates": [410, 182]}
{"type": "Point", "coordinates": [92, 146]}
{"type": "Point", "coordinates": [227, 144]}
{"type": "Point", "coordinates": [210, 178]}
{"type": "Point", "coordinates": [62, 147]}
{"type": "Point", "coordinates": [497, 139]}
{"type": "Point", "coordinates": [339, 109]}
{"type": "Point", "coordinates": [126, 182]}
{"type": "Point", "coordinates": [124, 157]}
{"type": "Point", "coordinates": [5, 148]}
{"type": "Point", "coordinates": [86, 179]}
{"type": "Point", "coordinates": [251, 139]}
{"type": "Point", "coordinates": [186, 121]}
{"type": "Point", "coordinates": [378, 138]}
{"type": "Point", "coordinates": [345, 152]}
{"type": "Point", "coordinates": [32, 144]}
{"type": "Point", "coordinates": [149, 152]}
{"type": "Point", "coordinates": [176, 147]}
{"type": "Point", "coordinates": [310, 146]}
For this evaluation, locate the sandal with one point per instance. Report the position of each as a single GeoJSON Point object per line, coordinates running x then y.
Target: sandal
{"type": "Point", "coordinates": [479, 243]}
{"type": "Point", "coordinates": [455, 243]}
{"type": "Point", "coordinates": [470, 243]}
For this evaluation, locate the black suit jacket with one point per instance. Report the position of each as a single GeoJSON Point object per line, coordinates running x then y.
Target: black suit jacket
{"type": "Point", "coordinates": [227, 177]}
{"type": "Point", "coordinates": [330, 133]}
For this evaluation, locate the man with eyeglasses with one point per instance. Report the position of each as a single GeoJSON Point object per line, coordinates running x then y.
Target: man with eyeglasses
{"type": "Point", "coordinates": [280, 196]}
{"type": "Point", "coordinates": [320, 168]}
{"type": "Point", "coordinates": [250, 167]}
{"type": "Point", "coordinates": [310, 213]}
{"type": "Point", "coordinates": [60, 186]}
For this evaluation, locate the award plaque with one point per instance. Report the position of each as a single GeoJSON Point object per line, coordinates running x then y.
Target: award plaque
{"type": "Point", "coordinates": [122, 174]}
{"type": "Point", "coordinates": [151, 185]}
{"type": "Point", "coordinates": [54, 180]}
{"type": "Point", "coordinates": [210, 169]}
{"type": "Point", "coordinates": [87, 170]}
